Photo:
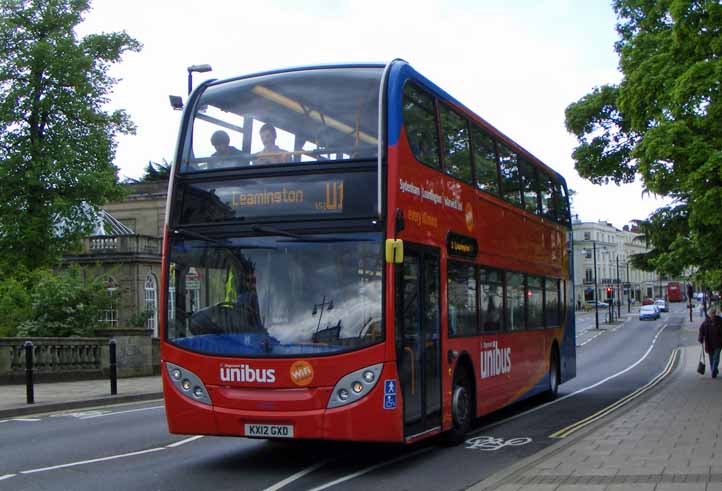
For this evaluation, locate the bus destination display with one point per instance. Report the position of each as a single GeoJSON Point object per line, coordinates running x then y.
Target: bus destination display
{"type": "Point", "coordinates": [298, 196]}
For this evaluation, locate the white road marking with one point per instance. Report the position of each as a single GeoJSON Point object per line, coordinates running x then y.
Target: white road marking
{"type": "Point", "coordinates": [92, 461]}
{"type": "Point", "coordinates": [80, 414]}
{"type": "Point", "coordinates": [91, 416]}
{"type": "Point", "coordinates": [492, 444]}
{"type": "Point", "coordinates": [369, 469]}
{"type": "Point", "coordinates": [296, 476]}
{"type": "Point", "coordinates": [565, 432]}
{"type": "Point", "coordinates": [591, 339]}
{"type": "Point", "coordinates": [103, 459]}
{"type": "Point", "coordinates": [183, 442]}
{"type": "Point", "coordinates": [555, 401]}
{"type": "Point", "coordinates": [646, 354]}
{"type": "Point", "coordinates": [27, 420]}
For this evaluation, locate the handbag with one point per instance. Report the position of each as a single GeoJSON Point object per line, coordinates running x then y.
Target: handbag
{"type": "Point", "coordinates": [701, 366]}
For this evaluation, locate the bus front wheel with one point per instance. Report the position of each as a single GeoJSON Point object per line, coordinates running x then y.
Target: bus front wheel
{"type": "Point", "coordinates": [461, 408]}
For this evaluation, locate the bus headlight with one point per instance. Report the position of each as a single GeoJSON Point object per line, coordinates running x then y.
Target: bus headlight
{"type": "Point", "coordinates": [354, 386]}
{"type": "Point", "coordinates": [188, 383]}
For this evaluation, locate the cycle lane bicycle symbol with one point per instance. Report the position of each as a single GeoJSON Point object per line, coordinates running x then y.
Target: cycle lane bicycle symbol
{"type": "Point", "coordinates": [490, 443]}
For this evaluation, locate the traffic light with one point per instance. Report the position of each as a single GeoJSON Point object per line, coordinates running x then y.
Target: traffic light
{"type": "Point", "coordinates": [610, 292]}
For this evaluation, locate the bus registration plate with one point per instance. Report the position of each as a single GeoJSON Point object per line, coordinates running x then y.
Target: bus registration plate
{"type": "Point", "coordinates": [268, 431]}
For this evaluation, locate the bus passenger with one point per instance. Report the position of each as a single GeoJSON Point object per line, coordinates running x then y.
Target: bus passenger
{"type": "Point", "coordinates": [225, 155]}
{"type": "Point", "coordinates": [271, 153]}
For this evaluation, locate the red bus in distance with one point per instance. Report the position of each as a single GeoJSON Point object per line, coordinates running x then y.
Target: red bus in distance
{"type": "Point", "coordinates": [674, 292]}
{"type": "Point", "coordinates": [352, 254]}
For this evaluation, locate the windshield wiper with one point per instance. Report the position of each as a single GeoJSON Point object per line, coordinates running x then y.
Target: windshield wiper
{"type": "Point", "coordinates": [301, 238]}
{"type": "Point", "coordinates": [196, 235]}
{"type": "Point", "coordinates": [325, 239]}
{"type": "Point", "coordinates": [216, 242]}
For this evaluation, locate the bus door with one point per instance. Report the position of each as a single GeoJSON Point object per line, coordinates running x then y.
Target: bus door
{"type": "Point", "coordinates": [418, 346]}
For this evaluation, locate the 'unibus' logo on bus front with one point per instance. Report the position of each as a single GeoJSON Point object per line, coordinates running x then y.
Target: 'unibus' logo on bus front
{"type": "Point", "coordinates": [244, 373]}
{"type": "Point", "coordinates": [494, 361]}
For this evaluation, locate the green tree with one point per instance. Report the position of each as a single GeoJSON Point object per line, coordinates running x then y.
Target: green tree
{"type": "Point", "coordinates": [154, 171]}
{"type": "Point", "coordinates": [662, 122]}
{"type": "Point", "coordinates": [15, 304]}
{"type": "Point", "coordinates": [66, 303]}
{"type": "Point", "coordinates": [57, 143]}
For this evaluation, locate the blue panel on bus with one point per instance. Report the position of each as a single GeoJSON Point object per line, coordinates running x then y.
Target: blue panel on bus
{"type": "Point", "coordinates": [247, 344]}
{"type": "Point", "coordinates": [399, 73]}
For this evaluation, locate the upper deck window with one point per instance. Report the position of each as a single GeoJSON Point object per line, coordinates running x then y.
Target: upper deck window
{"type": "Point", "coordinates": [420, 125]}
{"type": "Point", "coordinates": [528, 175]}
{"type": "Point", "coordinates": [510, 181]}
{"type": "Point", "coordinates": [455, 135]}
{"type": "Point", "coordinates": [319, 115]}
{"type": "Point", "coordinates": [487, 177]}
{"type": "Point", "coordinates": [547, 197]}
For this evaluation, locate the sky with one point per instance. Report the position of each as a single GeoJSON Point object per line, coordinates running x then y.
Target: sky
{"type": "Point", "coordinates": [516, 63]}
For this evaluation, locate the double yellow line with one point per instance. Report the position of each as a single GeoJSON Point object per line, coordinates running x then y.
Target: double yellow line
{"type": "Point", "coordinates": [565, 432]}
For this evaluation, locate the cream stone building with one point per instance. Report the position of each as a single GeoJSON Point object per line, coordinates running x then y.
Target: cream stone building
{"type": "Point", "coordinates": [612, 249]}
{"type": "Point", "coordinates": [128, 249]}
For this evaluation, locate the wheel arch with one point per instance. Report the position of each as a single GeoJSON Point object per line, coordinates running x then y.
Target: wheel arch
{"type": "Point", "coordinates": [464, 363]}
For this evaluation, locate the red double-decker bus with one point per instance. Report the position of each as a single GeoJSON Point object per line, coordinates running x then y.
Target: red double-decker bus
{"type": "Point", "coordinates": [674, 292]}
{"type": "Point", "coordinates": [352, 254]}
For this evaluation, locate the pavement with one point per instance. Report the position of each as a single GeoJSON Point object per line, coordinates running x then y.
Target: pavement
{"type": "Point", "coordinates": [61, 396]}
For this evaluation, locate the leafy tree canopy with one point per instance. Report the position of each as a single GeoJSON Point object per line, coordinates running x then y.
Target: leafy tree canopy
{"type": "Point", "coordinates": [154, 171]}
{"type": "Point", "coordinates": [662, 122]}
{"type": "Point", "coordinates": [69, 303]}
{"type": "Point", "coordinates": [57, 143]}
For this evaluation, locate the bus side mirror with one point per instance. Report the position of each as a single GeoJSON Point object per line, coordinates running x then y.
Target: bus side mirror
{"type": "Point", "coordinates": [394, 251]}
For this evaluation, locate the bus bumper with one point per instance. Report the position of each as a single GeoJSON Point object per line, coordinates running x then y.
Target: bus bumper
{"type": "Point", "coordinates": [363, 420]}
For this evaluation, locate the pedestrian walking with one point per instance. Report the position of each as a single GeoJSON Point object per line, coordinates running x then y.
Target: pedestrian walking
{"type": "Point", "coordinates": [710, 333]}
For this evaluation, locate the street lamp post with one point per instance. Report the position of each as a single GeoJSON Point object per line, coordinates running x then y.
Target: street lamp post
{"type": "Point", "coordinates": [199, 69]}
{"type": "Point", "coordinates": [629, 291]}
{"type": "Point", "coordinates": [619, 293]}
{"type": "Point", "coordinates": [324, 304]}
{"type": "Point", "coordinates": [596, 293]}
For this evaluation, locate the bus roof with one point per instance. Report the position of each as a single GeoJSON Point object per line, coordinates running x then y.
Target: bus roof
{"type": "Point", "coordinates": [400, 70]}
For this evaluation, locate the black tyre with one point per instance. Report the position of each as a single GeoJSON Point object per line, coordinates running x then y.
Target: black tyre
{"type": "Point", "coordinates": [461, 408]}
{"type": "Point", "coordinates": [553, 389]}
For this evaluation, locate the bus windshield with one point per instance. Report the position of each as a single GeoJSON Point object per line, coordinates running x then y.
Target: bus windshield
{"type": "Point", "coordinates": [316, 115]}
{"type": "Point", "coordinates": [286, 295]}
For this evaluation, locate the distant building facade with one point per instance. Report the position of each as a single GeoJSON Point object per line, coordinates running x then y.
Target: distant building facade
{"type": "Point", "coordinates": [129, 250]}
{"type": "Point", "coordinates": [614, 249]}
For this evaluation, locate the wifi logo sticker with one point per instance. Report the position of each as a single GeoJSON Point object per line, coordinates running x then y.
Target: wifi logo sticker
{"type": "Point", "coordinates": [301, 373]}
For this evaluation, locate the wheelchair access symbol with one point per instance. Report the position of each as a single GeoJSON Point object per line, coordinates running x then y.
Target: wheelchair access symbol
{"type": "Point", "coordinates": [390, 394]}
